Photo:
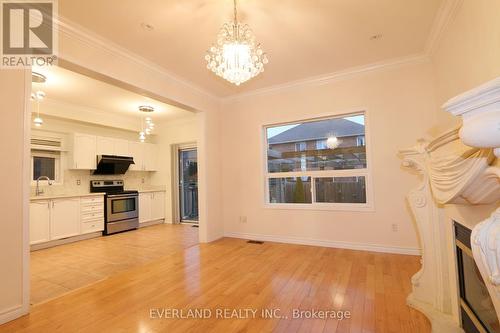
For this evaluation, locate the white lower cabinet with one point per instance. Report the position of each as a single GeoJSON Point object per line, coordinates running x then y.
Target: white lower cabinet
{"type": "Point", "coordinates": [158, 206]}
{"type": "Point", "coordinates": [144, 207]}
{"type": "Point", "coordinates": [39, 222]}
{"type": "Point", "coordinates": [151, 206]}
{"type": "Point", "coordinates": [66, 217]}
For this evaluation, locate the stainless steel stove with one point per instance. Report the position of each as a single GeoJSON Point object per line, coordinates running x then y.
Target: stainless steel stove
{"type": "Point", "coordinates": [121, 208]}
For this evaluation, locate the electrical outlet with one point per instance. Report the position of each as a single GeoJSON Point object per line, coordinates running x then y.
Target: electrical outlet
{"type": "Point", "coordinates": [78, 182]}
{"type": "Point", "coordinates": [395, 227]}
{"type": "Point", "coordinates": [142, 180]}
{"type": "Point", "coordinates": [243, 219]}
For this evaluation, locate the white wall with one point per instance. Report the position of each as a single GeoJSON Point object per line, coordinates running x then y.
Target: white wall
{"type": "Point", "coordinates": [468, 53]}
{"type": "Point", "coordinates": [14, 290]}
{"type": "Point", "coordinates": [400, 103]}
{"type": "Point", "coordinates": [169, 134]}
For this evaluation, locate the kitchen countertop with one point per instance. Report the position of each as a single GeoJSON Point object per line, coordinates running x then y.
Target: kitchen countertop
{"type": "Point", "coordinates": [64, 195]}
{"type": "Point", "coordinates": [152, 190]}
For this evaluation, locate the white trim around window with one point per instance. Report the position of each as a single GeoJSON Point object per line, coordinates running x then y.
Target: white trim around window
{"type": "Point", "coordinates": [369, 206]}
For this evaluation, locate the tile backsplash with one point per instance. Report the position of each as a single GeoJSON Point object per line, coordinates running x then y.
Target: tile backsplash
{"type": "Point", "coordinates": [132, 179]}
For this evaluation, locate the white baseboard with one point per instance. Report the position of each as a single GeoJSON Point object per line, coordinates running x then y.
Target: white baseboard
{"type": "Point", "coordinates": [149, 223]}
{"type": "Point", "coordinates": [12, 313]}
{"type": "Point", "coordinates": [326, 243]}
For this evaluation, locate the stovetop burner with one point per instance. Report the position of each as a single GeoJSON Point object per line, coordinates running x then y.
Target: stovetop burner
{"type": "Point", "coordinates": [109, 187]}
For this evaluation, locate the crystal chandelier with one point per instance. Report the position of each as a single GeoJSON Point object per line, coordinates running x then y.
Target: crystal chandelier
{"type": "Point", "coordinates": [236, 57]}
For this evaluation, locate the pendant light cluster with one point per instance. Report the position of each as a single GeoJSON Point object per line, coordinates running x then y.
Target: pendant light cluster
{"type": "Point", "coordinates": [147, 125]}
{"type": "Point", "coordinates": [38, 96]}
{"type": "Point", "coordinates": [236, 56]}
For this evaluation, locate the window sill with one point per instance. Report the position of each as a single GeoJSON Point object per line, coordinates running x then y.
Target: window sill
{"type": "Point", "coordinates": [321, 207]}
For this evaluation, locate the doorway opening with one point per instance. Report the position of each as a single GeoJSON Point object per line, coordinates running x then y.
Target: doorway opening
{"type": "Point", "coordinates": [188, 185]}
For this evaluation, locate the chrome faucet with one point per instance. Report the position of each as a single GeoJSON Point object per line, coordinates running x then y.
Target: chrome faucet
{"type": "Point", "coordinates": [38, 191]}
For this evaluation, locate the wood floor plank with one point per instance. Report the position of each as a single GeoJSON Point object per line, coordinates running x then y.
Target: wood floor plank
{"type": "Point", "coordinates": [228, 274]}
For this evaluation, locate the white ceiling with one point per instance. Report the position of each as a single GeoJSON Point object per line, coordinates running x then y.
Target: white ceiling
{"type": "Point", "coordinates": [79, 90]}
{"type": "Point", "coordinates": [303, 38]}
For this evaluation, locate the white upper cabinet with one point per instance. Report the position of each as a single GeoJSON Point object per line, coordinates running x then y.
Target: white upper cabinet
{"type": "Point", "coordinates": [121, 147]}
{"type": "Point", "coordinates": [137, 152]}
{"type": "Point", "coordinates": [85, 148]}
{"type": "Point", "coordinates": [105, 146]}
{"type": "Point", "coordinates": [83, 152]}
{"type": "Point", "coordinates": [151, 157]}
{"type": "Point", "coordinates": [112, 146]}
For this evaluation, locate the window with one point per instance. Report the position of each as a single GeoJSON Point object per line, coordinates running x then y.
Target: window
{"type": "Point", "coordinates": [45, 163]}
{"type": "Point", "coordinates": [300, 146]}
{"type": "Point", "coordinates": [321, 144]}
{"type": "Point", "coordinates": [330, 172]}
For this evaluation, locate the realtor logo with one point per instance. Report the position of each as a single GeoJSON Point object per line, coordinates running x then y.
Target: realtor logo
{"type": "Point", "coordinates": [28, 36]}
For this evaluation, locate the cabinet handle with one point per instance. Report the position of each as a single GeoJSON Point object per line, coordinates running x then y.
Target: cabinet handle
{"type": "Point", "coordinates": [48, 204]}
{"type": "Point", "coordinates": [53, 204]}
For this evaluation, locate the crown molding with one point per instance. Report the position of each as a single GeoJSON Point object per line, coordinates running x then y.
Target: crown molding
{"type": "Point", "coordinates": [76, 32]}
{"type": "Point", "coordinates": [335, 76]}
{"type": "Point", "coordinates": [444, 16]}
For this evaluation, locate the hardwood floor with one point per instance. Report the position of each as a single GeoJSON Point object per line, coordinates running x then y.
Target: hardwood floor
{"type": "Point", "coordinates": [232, 274]}
{"type": "Point", "coordinates": [58, 270]}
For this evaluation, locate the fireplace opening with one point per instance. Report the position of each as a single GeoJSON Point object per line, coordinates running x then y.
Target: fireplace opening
{"type": "Point", "coordinates": [477, 311]}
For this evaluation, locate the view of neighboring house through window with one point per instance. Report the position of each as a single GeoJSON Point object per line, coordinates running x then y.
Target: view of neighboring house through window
{"type": "Point", "coordinates": [318, 162]}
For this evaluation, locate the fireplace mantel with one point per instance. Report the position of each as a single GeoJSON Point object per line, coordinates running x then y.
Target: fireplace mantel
{"type": "Point", "coordinates": [460, 167]}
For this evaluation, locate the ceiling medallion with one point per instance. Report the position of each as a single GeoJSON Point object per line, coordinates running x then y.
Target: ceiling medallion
{"type": "Point", "coordinates": [236, 57]}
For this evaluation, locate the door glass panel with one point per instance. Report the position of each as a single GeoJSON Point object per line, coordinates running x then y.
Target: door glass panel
{"type": "Point", "coordinates": [188, 187]}
{"type": "Point", "coordinates": [122, 205]}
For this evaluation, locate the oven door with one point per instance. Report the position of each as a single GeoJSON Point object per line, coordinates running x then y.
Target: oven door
{"type": "Point", "coordinates": [122, 207]}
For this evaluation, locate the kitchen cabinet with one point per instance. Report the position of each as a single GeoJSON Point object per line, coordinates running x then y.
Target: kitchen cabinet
{"type": "Point", "coordinates": [121, 147]}
{"type": "Point", "coordinates": [112, 146]}
{"type": "Point", "coordinates": [92, 214]}
{"type": "Point", "coordinates": [83, 152]}
{"type": "Point", "coordinates": [150, 157]}
{"type": "Point", "coordinates": [145, 156]}
{"type": "Point", "coordinates": [151, 206]}
{"type": "Point", "coordinates": [39, 221]}
{"type": "Point", "coordinates": [145, 201]}
{"type": "Point", "coordinates": [64, 218]}
{"type": "Point", "coordinates": [137, 152]}
{"type": "Point", "coordinates": [158, 206]}
{"type": "Point", "coordinates": [105, 146]}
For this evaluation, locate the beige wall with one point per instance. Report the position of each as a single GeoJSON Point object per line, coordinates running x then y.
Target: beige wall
{"type": "Point", "coordinates": [12, 106]}
{"type": "Point", "coordinates": [400, 103]}
{"type": "Point", "coordinates": [169, 134]}
{"type": "Point", "coordinates": [468, 53]}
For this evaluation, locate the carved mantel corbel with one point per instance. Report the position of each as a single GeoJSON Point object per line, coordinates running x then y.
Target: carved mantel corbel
{"type": "Point", "coordinates": [480, 112]}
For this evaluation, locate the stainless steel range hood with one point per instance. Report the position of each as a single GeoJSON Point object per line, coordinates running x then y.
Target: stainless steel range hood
{"type": "Point", "coordinates": [113, 165]}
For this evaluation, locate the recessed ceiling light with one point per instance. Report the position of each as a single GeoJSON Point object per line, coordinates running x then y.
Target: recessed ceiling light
{"type": "Point", "coordinates": [147, 26]}
{"type": "Point", "coordinates": [375, 37]}
{"type": "Point", "coordinates": [38, 78]}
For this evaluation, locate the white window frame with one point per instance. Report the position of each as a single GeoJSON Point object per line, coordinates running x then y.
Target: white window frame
{"type": "Point", "coordinates": [366, 172]}
{"type": "Point", "coordinates": [58, 169]}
